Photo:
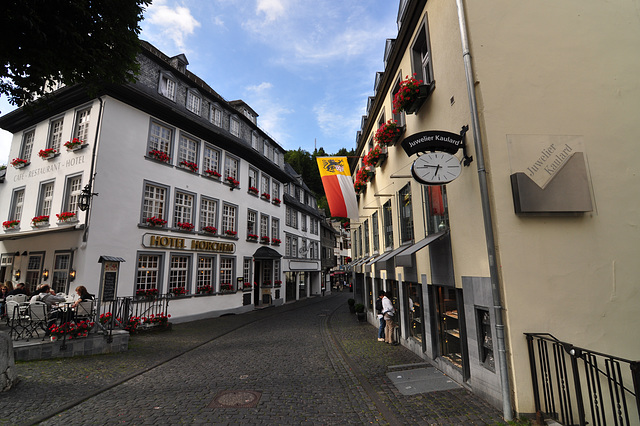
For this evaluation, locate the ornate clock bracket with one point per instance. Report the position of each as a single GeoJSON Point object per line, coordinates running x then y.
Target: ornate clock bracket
{"type": "Point", "coordinates": [467, 159]}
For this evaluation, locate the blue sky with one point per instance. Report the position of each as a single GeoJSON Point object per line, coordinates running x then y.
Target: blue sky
{"type": "Point", "coordinates": [305, 66]}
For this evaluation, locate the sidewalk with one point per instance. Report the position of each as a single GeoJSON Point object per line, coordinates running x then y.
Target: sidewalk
{"type": "Point", "coordinates": [311, 361]}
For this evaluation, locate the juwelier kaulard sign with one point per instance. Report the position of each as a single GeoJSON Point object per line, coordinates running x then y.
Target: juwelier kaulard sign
{"type": "Point", "coordinates": [549, 174]}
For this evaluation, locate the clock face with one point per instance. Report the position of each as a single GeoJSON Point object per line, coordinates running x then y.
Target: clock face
{"type": "Point", "coordinates": [436, 168]}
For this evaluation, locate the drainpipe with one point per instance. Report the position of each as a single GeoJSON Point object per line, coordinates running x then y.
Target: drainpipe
{"type": "Point", "coordinates": [91, 176]}
{"type": "Point", "coordinates": [507, 411]}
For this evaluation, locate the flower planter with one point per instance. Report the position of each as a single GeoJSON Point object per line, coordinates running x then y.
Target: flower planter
{"type": "Point", "coordinates": [75, 148]}
{"type": "Point", "coordinates": [212, 174]}
{"type": "Point", "coordinates": [40, 224]}
{"type": "Point", "coordinates": [210, 230]}
{"type": "Point", "coordinates": [19, 165]}
{"type": "Point", "coordinates": [425, 91]}
{"type": "Point", "coordinates": [69, 221]}
{"type": "Point", "coordinates": [48, 155]}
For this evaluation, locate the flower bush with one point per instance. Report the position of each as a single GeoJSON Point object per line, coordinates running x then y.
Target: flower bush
{"type": "Point", "coordinates": [247, 285]}
{"type": "Point", "coordinates": [179, 291]}
{"type": "Point", "coordinates": [10, 224]}
{"type": "Point", "coordinates": [105, 318]}
{"type": "Point", "coordinates": [266, 282]}
{"type": "Point", "coordinates": [277, 201]}
{"type": "Point", "coordinates": [226, 287]}
{"type": "Point", "coordinates": [210, 229]}
{"type": "Point", "coordinates": [275, 241]}
{"type": "Point", "coordinates": [265, 195]}
{"type": "Point", "coordinates": [253, 189]}
{"type": "Point", "coordinates": [159, 155]}
{"type": "Point", "coordinates": [74, 143]}
{"type": "Point", "coordinates": [374, 156]}
{"type": "Point", "coordinates": [160, 319]}
{"type": "Point", "coordinates": [277, 283]}
{"type": "Point", "coordinates": [65, 216]}
{"type": "Point", "coordinates": [231, 181]}
{"type": "Point", "coordinates": [230, 232]}
{"type": "Point", "coordinates": [46, 153]}
{"type": "Point", "coordinates": [40, 219]}
{"type": "Point", "coordinates": [252, 236]}
{"type": "Point", "coordinates": [264, 239]}
{"type": "Point", "coordinates": [407, 95]}
{"type": "Point", "coordinates": [147, 292]}
{"type": "Point", "coordinates": [17, 162]}
{"type": "Point", "coordinates": [71, 329]}
{"type": "Point", "coordinates": [189, 165]}
{"type": "Point", "coordinates": [212, 173]}
{"type": "Point", "coordinates": [132, 324]}
{"type": "Point", "coordinates": [359, 186]}
{"type": "Point", "coordinates": [185, 226]}
{"type": "Point", "coordinates": [156, 221]}
{"type": "Point", "coordinates": [204, 289]}
{"type": "Point", "coordinates": [386, 133]}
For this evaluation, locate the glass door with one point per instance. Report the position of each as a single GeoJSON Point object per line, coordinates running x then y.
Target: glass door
{"type": "Point", "coordinates": [449, 326]}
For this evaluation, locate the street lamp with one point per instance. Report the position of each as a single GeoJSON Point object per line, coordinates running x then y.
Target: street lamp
{"type": "Point", "coordinates": [85, 198]}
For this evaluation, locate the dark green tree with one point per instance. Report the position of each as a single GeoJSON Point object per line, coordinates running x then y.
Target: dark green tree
{"type": "Point", "coordinates": [93, 42]}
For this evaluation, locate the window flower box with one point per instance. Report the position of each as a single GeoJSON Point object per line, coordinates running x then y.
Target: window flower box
{"type": "Point", "coordinates": [266, 283]}
{"type": "Point", "coordinates": [74, 144]}
{"type": "Point", "coordinates": [277, 283]}
{"type": "Point", "coordinates": [411, 95]}
{"type": "Point", "coordinates": [212, 173]}
{"type": "Point", "coordinates": [67, 217]}
{"type": "Point", "coordinates": [276, 241]}
{"type": "Point", "coordinates": [253, 190]}
{"type": "Point", "coordinates": [359, 186]}
{"type": "Point", "coordinates": [233, 183]}
{"type": "Point", "coordinates": [226, 287]}
{"type": "Point", "coordinates": [179, 291]}
{"type": "Point", "coordinates": [264, 239]}
{"type": "Point", "coordinates": [19, 163]}
{"type": "Point", "coordinates": [204, 289]}
{"type": "Point", "coordinates": [388, 133]}
{"type": "Point", "coordinates": [376, 156]}
{"type": "Point", "coordinates": [265, 196]}
{"type": "Point", "coordinates": [156, 222]}
{"type": "Point", "coordinates": [40, 221]}
{"type": "Point", "coordinates": [210, 230]}
{"type": "Point", "coordinates": [189, 166]}
{"type": "Point", "coordinates": [11, 225]}
{"type": "Point", "coordinates": [185, 226]}
{"type": "Point", "coordinates": [158, 155]}
{"type": "Point", "coordinates": [277, 201]}
{"type": "Point", "coordinates": [230, 233]}
{"type": "Point", "coordinates": [47, 154]}
{"type": "Point", "coordinates": [147, 293]}
{"type": "Point", "coordinates": [247, 286]}
{"type": "Point", "coordinates": [252, 237]}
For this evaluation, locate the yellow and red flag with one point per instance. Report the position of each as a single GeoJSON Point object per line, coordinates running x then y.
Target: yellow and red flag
{"type": "Point", "coordinates": [338, 186]}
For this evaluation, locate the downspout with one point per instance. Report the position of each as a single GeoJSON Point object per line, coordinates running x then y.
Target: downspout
{"type": "Point", "coordinates": [507, 411]}
{"type": "Point", "coordinates": [93, 165]}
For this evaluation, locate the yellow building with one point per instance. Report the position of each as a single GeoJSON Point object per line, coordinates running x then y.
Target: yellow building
{"type": "Point", "coordinates": [540, 232]}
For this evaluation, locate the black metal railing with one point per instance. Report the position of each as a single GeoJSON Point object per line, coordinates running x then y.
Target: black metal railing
{"type": "Point", "coordinates": [127, 312]}
{"type": "Point", "coordinates": [574, 385]}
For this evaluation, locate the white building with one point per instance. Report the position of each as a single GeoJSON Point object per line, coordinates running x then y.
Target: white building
{"type": "Point", "coordinates": [168, 150]}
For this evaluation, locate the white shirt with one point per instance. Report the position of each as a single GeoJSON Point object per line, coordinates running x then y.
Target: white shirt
{"type": "Point", "coordinates": [387, 306]}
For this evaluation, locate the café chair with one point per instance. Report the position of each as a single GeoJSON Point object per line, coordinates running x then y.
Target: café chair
{"type": "Point", "coordinates": [84, 311]}
{"type": "Point", "coordinates": [20, 298]}
{"type": "Point", "coordinates": [16, 320]}
{"type": "Point", "coordinates": [37, 319]}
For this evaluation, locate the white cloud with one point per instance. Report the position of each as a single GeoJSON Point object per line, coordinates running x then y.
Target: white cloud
{"type": "Point", "coordinates": [174, 23]}
{"type": "Point", "coordinates": [260, 88]}
{"type": "Point", "coordinates": [272, 9]}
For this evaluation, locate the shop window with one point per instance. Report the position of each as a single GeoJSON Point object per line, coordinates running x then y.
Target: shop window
{"type": "Point", "coordinates": [206, 272]}
{"type": "Point", "coordinates": [436, 208]}
{"type": "Point", "coordinates": [449, 325]}
{"type": "Point", "coordinates": [179, 273]}
{"type": "Point", "coordinates": [27, 145]}
{"type": "Point", "coordinates": [485, 339]}
{"type": "Point", "coordinates": [148, 272]}
{"type": "Point", "coordinates": [60, 277]}
{"type": "Point", "coordinates": [55, 134]}
{"type": "Point", "coordinates": [406, 214]}
{"type": "Point", "coordinates": [414, 311]}
{"type": "Point", "coordinates": [153, 204]}
{"type": "Point", "coordinates": [302, 284]}
{"type": "Point", "coordinates": [81, 129]}
{"type": "Point", "coordinates": [160, 138]}
{"type": "Point", "coordinates": [388, 225]}
{"type": "Point", "coordinates": [247, 263]}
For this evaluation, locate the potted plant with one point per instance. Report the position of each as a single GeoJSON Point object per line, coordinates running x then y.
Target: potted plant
{"type": "Point", "coordinates": [155, 221]}
{"type": "Point", "coordinates": [210, 229]}
{"type": "Point", "coordinates": [204, 289]}
{"type": "Point", "coordinates": [10, 224]}
{"type": "Point", "coordinates": [264, 239]}
{"type": "Point", "coordinates": [360, 314]}
{"type": "Point", "coordinates": [352, 305]}
{"type": "Point", "coordinates": [161, 156]}
{"type": "Point", "coordinates": [276, 241]}
{"type": "Point", "coordinates": [158, 320]}
{"type": "Point", "coordinates": [74, 144]}
{"type": "Point", "coordinates": [19, 163]}
{"type": "Point", "coordinates": [39, 221]}
{"type": "Point", "coordinates": [226, 287]}
{"type": "Point", "coordinates": [253, 190]}
{"type": "Point", "coordinates": [388, 133]}
{"type": "Point", "coordinates": [147, 293]}
{"type": "Point", "coordinates": [277, 201]}
{"type": "Point", "coordinates": [185, 226]}
{"type": "Point", "coordinates": [230, 233]}
{"type": "Point", "coordinates": [233, 183]}
{"type": "Point", "coordinates": [376, 156]}
{"type": "Point", "coordinates": [252, 237]}
{"type": "Point", "coordinates": [411, 95]}
{"type": "Point", "coordinates": [277, 283]}
{"type": "Point", "coordinates": [265, 196]}
{"type": "Point", "coordinates": [47, 153]}
{"type": "Point", "coordinates": [212, 173]}
{"type": "Point", "coordinates": [66, 217]}
{"type": "Point", "coordinates": [247, 286]}
{"type": "Point", "coordinates": [179, 291]}
{"type": "Point", "coordinates": [189, 165]}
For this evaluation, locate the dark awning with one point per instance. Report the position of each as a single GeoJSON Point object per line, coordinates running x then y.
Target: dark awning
{"type": "Point", "coordinates": [266, 253]}
{"type": "Point", "coordinates": [390, 254]}
{"type": "Point", "coordinates": [404, 258]}
{"type": "Point", "coordinates": [110, 259]}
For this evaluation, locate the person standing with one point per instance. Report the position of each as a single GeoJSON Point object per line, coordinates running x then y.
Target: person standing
{"type": "Point", "coordinates": [379, 310]}
{"type": "Point", "coordinates": [388, 312]}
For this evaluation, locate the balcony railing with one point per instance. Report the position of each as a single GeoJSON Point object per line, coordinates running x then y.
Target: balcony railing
{"type": "Point", "coordinates": [579, 386]}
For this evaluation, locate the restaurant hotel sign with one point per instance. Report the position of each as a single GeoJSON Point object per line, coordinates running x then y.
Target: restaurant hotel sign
{"type": "Point", "coordinates": [189, 244]}
{"type": "Point", "coordinates": [549, 174]}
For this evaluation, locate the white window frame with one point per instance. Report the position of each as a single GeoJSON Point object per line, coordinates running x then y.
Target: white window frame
{"type": "Point", "coordinates": [81, 128]}
{"type": "Point", "coordinates": [211, 159]}
{"type": "Point", "coordinates": [73, 189]}
{"type": "Point", "coordinates": [154, 201]}
{"type": "Point", "coordinates": [26, 149]}
{"type": "Point", "coordinates": [17, 204]}
{"type": "Point", "coordinates": [55, 133]}
{"type": "Point", "coordinates": [193, 102]}
{"type": "Point", "coordinates": [188, 148]}
{"type": "Point", "coordinates": [226, 271]}
{"type": "Point", "coordinates": [179, 268]}
{"type": "Point", "coordinates": [160, 137]}
{"type": "Point", "coordinates": [215, 115]}
{"type": "Point", "coordinates": [45, 198]}
{"type": "Point", "coordinates": [167, 86]}
{"type": "Point", "coordinates": [229, 218]}
{"type": "Point", "coordinates": [183, 208]}
{"type": "Point", "coordinates": [208, 212]}
{"type": "Point", "coordinates": [231, 167]}
{"type": "Point", "coordinates": [264, 225]}
{"type": "Point", "coordinates": [234, 126]}
{"type": "Point", "coordinates": [252, 222]}
{"type": "Point", "coordinates": [148, 271]}
{"type": "Point", "coordinates": [254, 140]}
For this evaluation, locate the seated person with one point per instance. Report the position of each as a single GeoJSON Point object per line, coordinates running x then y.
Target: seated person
{"type": "Point", "coordinates": [20, 289]}
{"type": "Point", "coordinates": [49, 298]}
{"type": "Point", "coordinates": [83, 296]}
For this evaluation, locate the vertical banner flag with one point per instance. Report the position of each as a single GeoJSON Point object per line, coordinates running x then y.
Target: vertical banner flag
{"type": "Point", "coordinates": [338, 186]}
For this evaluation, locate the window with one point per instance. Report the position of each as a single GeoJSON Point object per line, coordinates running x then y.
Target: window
{"type": "Point", "coordinates": [188, 149]}
{"type": "Point", "coordinates": [366, 236]}
{"type": "Point", "coordinates": [234, 126]}
{"type": "Point", "coordinates": [229, 214]}
{"type": "Point", "coordinates": [183, 209]}
{"type": "Point", "coordinates": [55, 134]}
{"type": "Point", "coordinates": [206, 272]}
{"type": "Point", "coordinates": [421, 54]}
{"type": "Point", "coordinates": [287, 217]}
{"type": "Point", "coordinates": [148, 272]}
{"type": "Point", "coordinates": [160, 138]}
{"type": "Point", "coordinates": [226, 272]}
{"type": "Point", "coordinates": [81, 130]}
{"type": "Point", "coordinates": [375, 232]}
{"type": "Point", "coordinates": [275, 228]}
{"type": "Point", "coordinates": [208, 212]}
{"type": "Point", "coordinates": [211, 159]}
{"type": "Point", "coordinates": [34, 268]}
{"type": "Point", "coordinates": [254, 140]}
{"type": "Point", "coordinates": [413, 310]}
{"type": "Point", "coordinates": [73, 190]}
{"type": "Point", "coordinates": [27, 145]}
{"type": "Point", "coordinates": [45, 199]}
{"type": "Point", "coordinates": [153, 204]}
{"type": "Point", "coordinates": [167, 86]}
{"type": "Point", "coordinates": [276, 157]}
{"type": "Point", "coordinates": [247, 263]}
{"type": "Point", "coordinates": [437, 211]}
{"type": "Point", "coordinates": [266, 273]}
{"type": "Point", "coordinates": [294, 219]}
{"type": "Point", "coordinates": [193, 101]}
{"type": "Point", "coordinates": [388, 224]}
{"type": "Point", "coordinates": [264, 225]}
{"type": "Point", "coordinates": [17, 203]}
{"type": "Point", "coordinates": [265, 149]}
{"type": "Point", "coordinates": [275, 190]}
{"type": "Point", "coordinates": [303, 222]}
{"type": "Point", "coordinates": [276, 271]}
{"type": "Point", "coordinates": [264, 188]}
{"type": "Point", "coordinates": [294, 247]}
{"type": "Point", "coordinates": [449, 325]}
{"type": "Point", "coordinates": [251, 222]}
{"type": "Point", "coordinates": [230, 167]}
{"type": "Point", "coordinates": [406, 214]}
{"type": "Point", "coordinates": [61, 266]}
{"type": "Point", "coordinates": [485, 339]}
{"type": "Point", "coordinates": [253, 178]}
{"type": "Point", "coordinates": [215, 115]}
{"type": "Point", "coordinates": [312, 251]}
{"type": "Point", "coordinates": [287, 246]}
{"type": "Point", "coordinates": [179, 272]}
{"type": "Point", "coordinates": [399, 117]}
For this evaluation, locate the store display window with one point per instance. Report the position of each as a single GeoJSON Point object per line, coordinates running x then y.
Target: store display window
{"type": "Point", "coordinates": [414, 308]}
{"type": "Point", "coordinates": [485, 339]}
{"type": "Point", "coordinates": [449, 325]}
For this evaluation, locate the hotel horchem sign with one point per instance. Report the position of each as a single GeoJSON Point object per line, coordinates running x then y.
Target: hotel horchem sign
{"type": "Point", "coordinates": [188, 244]}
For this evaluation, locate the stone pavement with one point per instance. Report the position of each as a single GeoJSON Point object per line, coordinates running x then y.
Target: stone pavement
{"type": "Point", "coordinates": [308, 362]}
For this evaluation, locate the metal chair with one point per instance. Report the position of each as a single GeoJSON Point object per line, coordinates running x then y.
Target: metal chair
{"type": "Point", "coordinates": [84, 311]}
{"type": "Point", "coordinates": [16, 320]}
{"type": "Point", "coordinates": [20, 298]}
{"type": "Point", "coordinates": [37, 319]}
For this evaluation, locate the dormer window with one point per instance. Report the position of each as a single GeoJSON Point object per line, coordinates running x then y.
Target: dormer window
{"type": "Point", "coordinates": [193, 101]}
{"type": "Point", "coordinates": [265, 149]}
{"type": "Point", "coordinates": [234, 126]}
{"type": "Point", "coordinates": [215, 115]}
{"type": "Point", "coordinates": [254, 140]}
{"type": "Point", "coordinates": [167, 86]}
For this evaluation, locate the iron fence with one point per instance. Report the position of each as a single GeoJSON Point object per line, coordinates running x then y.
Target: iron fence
{"type": "Point", "coordinates": [574, 385]}
{"type": "Point", "coordinates": [129, 312]}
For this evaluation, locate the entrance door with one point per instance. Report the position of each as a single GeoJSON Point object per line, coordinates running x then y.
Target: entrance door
{"type": "Point", "coordinates": [257, 279]}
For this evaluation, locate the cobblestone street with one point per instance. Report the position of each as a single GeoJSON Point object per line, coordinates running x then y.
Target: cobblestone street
{"type": "Point", "coordinates": [308, 362]}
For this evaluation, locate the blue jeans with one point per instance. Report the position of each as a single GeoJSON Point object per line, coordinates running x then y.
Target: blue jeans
{"type": "Point", "coordinates": [381, 328]}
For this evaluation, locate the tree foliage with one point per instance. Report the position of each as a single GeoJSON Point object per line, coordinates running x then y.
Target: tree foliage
{"type": "Point", "coordinates": [93, 42]}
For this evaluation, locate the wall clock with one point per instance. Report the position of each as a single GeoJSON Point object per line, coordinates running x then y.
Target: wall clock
{"type": "Point", "coordinates": [436, 168]}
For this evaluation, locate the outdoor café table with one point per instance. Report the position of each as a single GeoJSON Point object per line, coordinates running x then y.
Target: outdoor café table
{"type": "Point", "coordinates": [66, 311]}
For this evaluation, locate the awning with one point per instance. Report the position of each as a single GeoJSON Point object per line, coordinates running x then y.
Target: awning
{"type": "Point", "coordinates": [110, 259]}
{"type": "Point", "coordinates": [266, 253]}
{"type": "Point", "coordinates": [405, 257]}
{"type": "Point", "coordinates": [390, 254]}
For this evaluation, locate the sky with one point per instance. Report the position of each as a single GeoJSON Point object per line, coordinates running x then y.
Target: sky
{"type": "Point", "coordinates": [306, 67]}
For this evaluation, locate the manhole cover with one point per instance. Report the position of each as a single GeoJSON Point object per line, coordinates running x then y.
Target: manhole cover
{"type": "Point", "coordinates": [236, 399]}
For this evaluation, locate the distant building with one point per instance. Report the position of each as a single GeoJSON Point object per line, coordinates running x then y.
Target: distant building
{"type": "Point", "coordinates": [192, 196]}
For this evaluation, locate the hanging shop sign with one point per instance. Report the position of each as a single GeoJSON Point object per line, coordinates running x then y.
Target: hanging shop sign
{"type": "Point", "coordinates": [433, 140]}
{"type": "Point", "coordinates": [188, 244]}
